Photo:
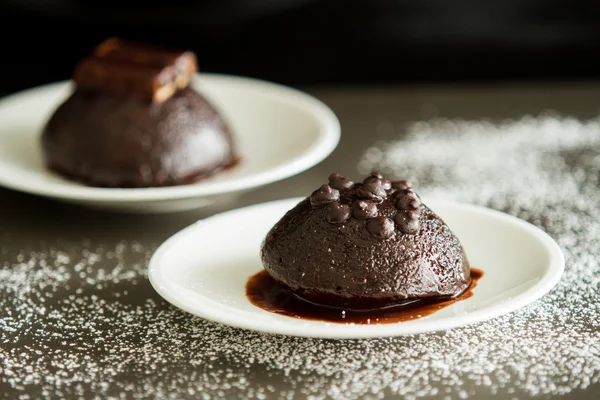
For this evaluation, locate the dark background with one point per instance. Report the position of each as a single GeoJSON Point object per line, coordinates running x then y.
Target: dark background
{"type": "Point", "coordinates": [299, 42]}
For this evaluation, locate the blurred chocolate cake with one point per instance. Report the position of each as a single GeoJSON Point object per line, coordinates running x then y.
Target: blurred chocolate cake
{"type": "Point", "coordinates": [134, 121]}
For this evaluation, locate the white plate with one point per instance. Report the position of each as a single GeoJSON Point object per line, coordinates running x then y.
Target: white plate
{"type": "Point", "coordinates": [280, 131]}
{"type": "Point", "coordinates": [204, 268]}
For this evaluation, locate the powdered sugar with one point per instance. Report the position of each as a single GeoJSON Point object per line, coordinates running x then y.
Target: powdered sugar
{"type": "Point", "coordinates": [81, 320]}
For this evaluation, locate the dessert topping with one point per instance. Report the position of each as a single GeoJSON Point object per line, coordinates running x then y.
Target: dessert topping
{"type": "Point", "coordinates": [340, 182]}
{"type": "Point", "coordinates": [408, 222]}
{"type": "Point", "coordinates": [401, 185]}
{"type": "Point", "coordinates": [372, 191]}
{"type": "Point", "coordinates": [136, 70]}
{"type": "Point", "coordinates": [376, 177]}
{"type": "Point", "coordinates": [338, 213]}
{"type": "Point", "coordinates": [324, 195]}
{"type": "Point", "coordinates": [381, 227]}
{"type": "Point", "coordinates": [364, 209]}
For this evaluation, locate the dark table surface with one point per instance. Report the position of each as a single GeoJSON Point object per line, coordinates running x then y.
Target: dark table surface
{"type": "Point", "coordinates": [155, 353]}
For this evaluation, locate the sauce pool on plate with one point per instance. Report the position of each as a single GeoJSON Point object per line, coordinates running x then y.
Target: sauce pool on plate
{"type": "Point", "coordinates": [264, 292]}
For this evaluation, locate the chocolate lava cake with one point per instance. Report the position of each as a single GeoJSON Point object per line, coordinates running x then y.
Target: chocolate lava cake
{"type": "Point", "coordinates": [134, 121]}
{"type": "Point", "coordinates": [364, 246]}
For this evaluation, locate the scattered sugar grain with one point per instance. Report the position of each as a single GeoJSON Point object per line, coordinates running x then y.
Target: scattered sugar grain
{"type": "Point", "coordinates": [67, 335]}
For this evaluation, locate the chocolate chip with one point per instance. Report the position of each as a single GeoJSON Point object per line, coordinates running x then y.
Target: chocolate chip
{"type": "Point", "coordinates": [385, 183]}
{"type": "Point", "coordinates": [415, 204]}
{"type": "Point", "coordinates": [372, 191]}
{"type": "Point", "coordinates": [381, 227]}
{"type": "Point", "coordinates": [340, 182]}
{"type": "Point", "coordinates": [407, 202]}
{"type": "Point", "coordinates": [363, 209]}
{"type": "Point", "coordinates": [401, 185]}
{"type": "Point", "coordinates": [408, 223]}
{"type": "Point", "coordinates": [324, 195]}
{"type": "Point", "coordinates": [414, 215]}
{"type": "Point", "coordinates": [338, 213]}
{"type": "Point", "coordinates": [370, 179]}
{"type": "Point", "coordinates": [363, 194]}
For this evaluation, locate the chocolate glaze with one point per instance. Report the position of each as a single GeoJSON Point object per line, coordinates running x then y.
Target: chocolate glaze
{"type": "Point", "coordinates": [113, 141]}
{"type": "Point", "coordinates": [264, 292]}
{"type": "Point", "coordinates": [403, 251]}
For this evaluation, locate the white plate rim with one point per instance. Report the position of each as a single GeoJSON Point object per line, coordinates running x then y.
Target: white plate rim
{"type": "Point", "coordinates": [532, 294]}
{"type": "Point", "coordinates": [329, 136]}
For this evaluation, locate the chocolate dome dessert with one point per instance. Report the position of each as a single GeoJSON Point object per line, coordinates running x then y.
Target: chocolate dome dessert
{"type": "Point", "coordinates": [364, 246]}
{"type": "Point", "coordinates": [134, 121]}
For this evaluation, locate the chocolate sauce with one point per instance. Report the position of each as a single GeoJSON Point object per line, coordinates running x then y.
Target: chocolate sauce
{"type": "Point", "coordinates": [264, 292]}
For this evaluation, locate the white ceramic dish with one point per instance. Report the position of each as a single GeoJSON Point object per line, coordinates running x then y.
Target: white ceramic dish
{"type": "Point", "coordinates": [281, 132]}
{"type": "Point", "coordinates": [204, 268]}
